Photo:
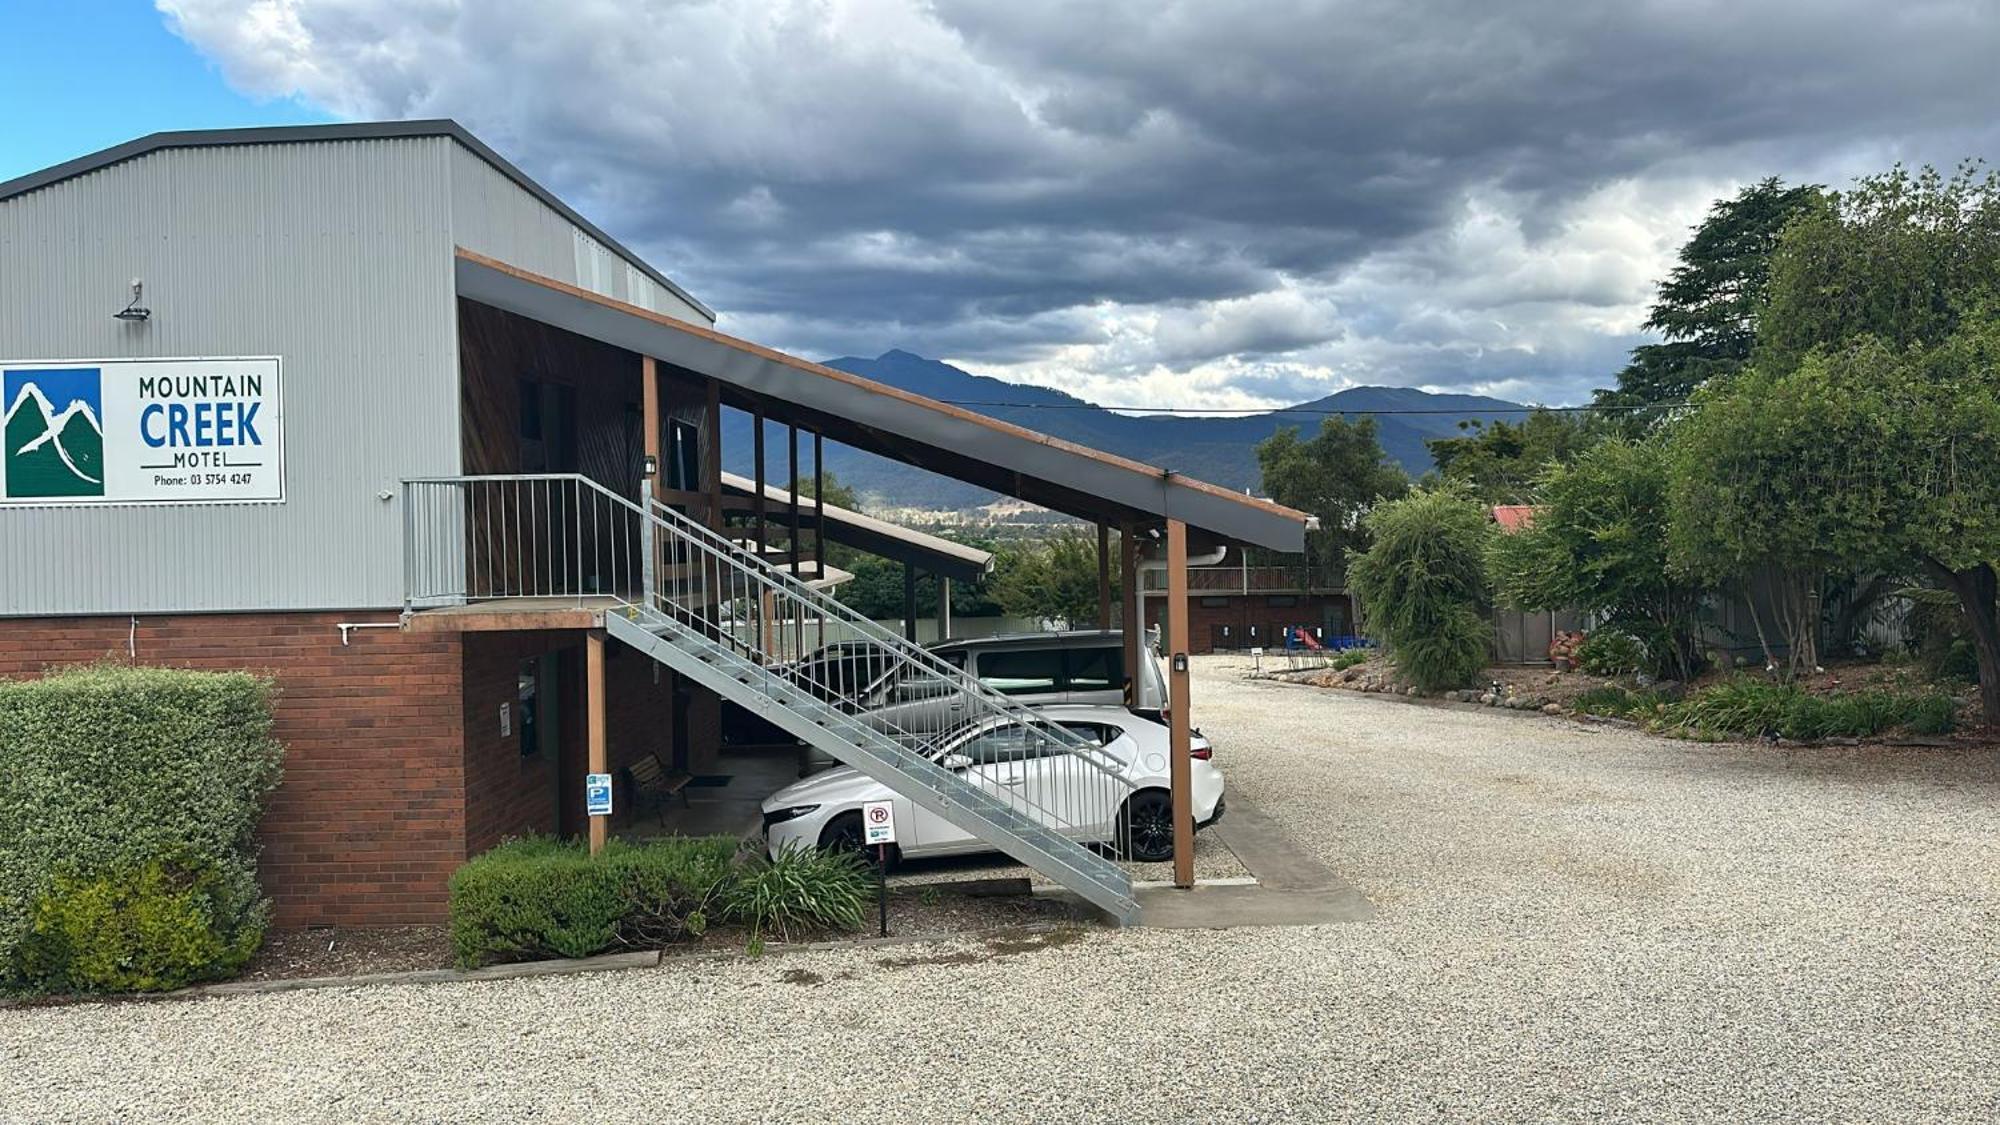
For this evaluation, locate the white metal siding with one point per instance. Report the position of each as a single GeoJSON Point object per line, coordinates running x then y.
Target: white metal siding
{"type": "Point", "coordinates": [491, 215]}
{"type": "Point", "coordinates": [335, 256]}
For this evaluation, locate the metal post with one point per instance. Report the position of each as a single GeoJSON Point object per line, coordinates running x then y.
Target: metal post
{"type": "Point", "coordinates": [1180, 761]}
{"type": "Point", "coordinates": [909, 602]}
{"type": "Point", "coordinates": [944, 608]}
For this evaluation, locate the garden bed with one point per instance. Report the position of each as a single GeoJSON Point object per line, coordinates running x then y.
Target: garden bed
{"type": "Point", "coordinates": [1846, 702]}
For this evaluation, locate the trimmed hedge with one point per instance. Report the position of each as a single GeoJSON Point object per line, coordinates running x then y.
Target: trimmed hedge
{"type": "Point", "coordinates": [129, 800]}
{"type": "Point", "coordinates": [539, 898]}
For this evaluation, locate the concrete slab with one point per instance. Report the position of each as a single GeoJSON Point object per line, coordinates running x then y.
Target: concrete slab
{"type": "Point", "coordinates": [1230, 907]}
{"type": "Point", "coordinates": [1271, 856]}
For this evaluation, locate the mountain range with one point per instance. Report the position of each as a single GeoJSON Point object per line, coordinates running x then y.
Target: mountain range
{"type": "Point", "coordinates": [1221, 450]}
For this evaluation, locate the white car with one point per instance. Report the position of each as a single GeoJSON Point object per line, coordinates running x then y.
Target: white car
{"type": "Point", "coordinates": [1122, 800]}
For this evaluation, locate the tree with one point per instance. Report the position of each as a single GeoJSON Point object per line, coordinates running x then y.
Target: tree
{"type": "Point", "coordinates": [1598, 543]}
{"type": "Point", "coordinates": [1709, 307]}
{"type": "Point", "coordinates": [1944, 491]}
{"type": "Point", "coordinates": [1337, 475]}
{"type": "Point", "coordinates": [1055, 579]}
{"type": "Point", "coordinates": [1891, 292]}
{"type": "Point", "coordinates": [1772, 489]}
{"type": "Point", "coordinates": [1902, 257]}
{"type": "Point", "coordinates": [1501, 461]}
{"type": "Point", "coordinates": [1422, 584]}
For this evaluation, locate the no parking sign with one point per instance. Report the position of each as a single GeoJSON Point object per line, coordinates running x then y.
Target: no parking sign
{"type": "Point", "coordinates": [878, 823]}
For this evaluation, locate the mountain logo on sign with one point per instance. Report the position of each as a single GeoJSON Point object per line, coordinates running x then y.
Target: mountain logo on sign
{"type": "Point", "coordinates": [54, 436]}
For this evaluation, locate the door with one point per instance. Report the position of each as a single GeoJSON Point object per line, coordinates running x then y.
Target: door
{"type": "Point", "coordinates": [999, 760]}
{"type": "Point", "coordinates": [1078, 793]}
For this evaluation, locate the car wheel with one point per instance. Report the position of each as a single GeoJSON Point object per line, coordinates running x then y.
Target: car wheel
{"type": "Point", "coordinates": [843, 834]}
{"type": "Point", "coordinates": [1146, 826]}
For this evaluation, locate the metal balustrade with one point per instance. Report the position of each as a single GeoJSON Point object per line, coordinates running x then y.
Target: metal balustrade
{"type": "Point", "coordinates": [711, 608]}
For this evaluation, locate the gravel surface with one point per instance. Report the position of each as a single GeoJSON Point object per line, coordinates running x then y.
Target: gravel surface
{"type": "Point", "coordinates": [1574, 923]}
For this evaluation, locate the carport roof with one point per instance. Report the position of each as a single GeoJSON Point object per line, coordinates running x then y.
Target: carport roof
{"type": "Point", "coordinates": [877, 537]}
{"type": "Point", "coordinates": [895, 423]}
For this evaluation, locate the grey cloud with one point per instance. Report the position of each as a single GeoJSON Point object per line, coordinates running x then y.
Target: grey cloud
{"type": "Point", "coordinates": [1012, 181]}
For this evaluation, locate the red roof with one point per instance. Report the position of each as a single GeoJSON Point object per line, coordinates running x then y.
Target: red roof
{"type": "Point", "coordinates": [1513, 517]}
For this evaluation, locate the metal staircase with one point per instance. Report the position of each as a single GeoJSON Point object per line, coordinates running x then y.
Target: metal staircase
{"type": "Point", "coordinates": [710, 609]}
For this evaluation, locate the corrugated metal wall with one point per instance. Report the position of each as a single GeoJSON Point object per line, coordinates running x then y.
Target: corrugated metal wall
{"type": "Point", "coordinates": [491, 215]}
{"type": "Point", "coordinates": [335, 256]}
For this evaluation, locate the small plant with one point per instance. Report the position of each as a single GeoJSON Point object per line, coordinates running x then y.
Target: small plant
{"type": "Point", "coordinates": [800, 889]}
{"type": "Point", "coordinates": [1351, 658]}
{"type": "Point", "coordinates": [159, 926]}
{"type": "Point", "coordinates": [1748, 707]}
{"type": "Point", "coordinates": [1611, 652]}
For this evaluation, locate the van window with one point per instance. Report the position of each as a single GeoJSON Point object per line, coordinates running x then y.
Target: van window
{"type": "Point", "coordinates": [1096, 669]}
{"type": "Point", "coordinates": [1033, 671]}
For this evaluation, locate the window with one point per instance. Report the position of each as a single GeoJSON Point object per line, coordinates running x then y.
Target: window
{"type": "Point", "coordinates": [1097, 734]}
{"type": "Point", "coordinates": [1025, 672]}
{"type": "Point", "coordinates": [1212, 602]}
{"type": "Point", "coordinates": [1012, 743]}
{"type": "Point", "coordinates": [1097, 669]}
{"type": "Point", "coordinates": [683, 456]}
{"type": "Point", "coordinates": [1281, 601]}
{"type": "Point", "coordinates": [535, 705]}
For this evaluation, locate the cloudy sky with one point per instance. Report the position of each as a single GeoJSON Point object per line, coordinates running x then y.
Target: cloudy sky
{"type": "Point", "coordinates": [1155, 203]}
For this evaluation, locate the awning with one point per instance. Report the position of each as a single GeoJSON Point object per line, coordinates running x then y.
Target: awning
{"type": "Point", "coordinates": [877, 537]}
{"type": "Point", "coordinates": [1086, 483]}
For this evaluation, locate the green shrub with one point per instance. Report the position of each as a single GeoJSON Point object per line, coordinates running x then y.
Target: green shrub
{"type": "Point", "coordinates": [139, 929]}
{"type": "Point", "coordinates": [1621, 703]}
{"type": "Point", "coordinates": [802, 889]}
{"type": "Point", "coordinates": [1611, 652]}
{"type": "Point", "coordinates": [534, 899]}
{"type": "Point", "coordinates": [1422, 585]}
{"type": "Point", "coordinates": [107, 772]}
{"type": "Point", "coordinates": [1753, 708]}
{"type": "Point", "coordinates": [1342, 661]}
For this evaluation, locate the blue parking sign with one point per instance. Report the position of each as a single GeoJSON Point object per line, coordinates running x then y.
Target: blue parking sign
{"type": "Point", "coordinates": [597, 794]}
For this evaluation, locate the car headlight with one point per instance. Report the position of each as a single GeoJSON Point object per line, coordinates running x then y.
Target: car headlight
{"type": "Point", "coordinates": [779, 816]}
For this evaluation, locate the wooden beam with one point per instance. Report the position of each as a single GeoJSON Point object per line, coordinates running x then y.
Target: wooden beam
{"type": "Point", "coordinates": [757, 498]}
{"type": "Point", "coordinates": [819, 504]}
{"type": "Point", "coordinates": [1179, 758]}
{"type": "Point", "coordinates": [1105, 575]}
{"type": "Point", "coordinates": [1134, 629]}
{"type": "Point", "coordinates": [711, 470]}
{"type": "Point", "coordinates": [792, 490]}
{"type": "Point", "coordinates": [600, 759]}
{"type": "Point", "coordinates": [649, 396]}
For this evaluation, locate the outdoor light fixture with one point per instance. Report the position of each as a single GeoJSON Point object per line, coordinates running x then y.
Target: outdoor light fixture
{"type": "Point", "coordinates": [133, 310]}
{"type": "Point", "coordinates": [651, 466]}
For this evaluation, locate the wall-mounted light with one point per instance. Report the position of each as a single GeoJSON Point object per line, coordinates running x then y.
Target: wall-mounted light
{"type": "Point", "coordinates": [133, 310]}
{"type": "Point", "coordinates": [650, 467]}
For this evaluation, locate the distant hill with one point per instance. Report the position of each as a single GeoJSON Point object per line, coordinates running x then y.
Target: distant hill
{"type": "Point", "coordinates": [1220, 450]}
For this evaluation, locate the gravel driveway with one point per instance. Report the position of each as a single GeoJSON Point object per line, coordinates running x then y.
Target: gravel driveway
{"type": "Point", "coordinates": [1573, 923]}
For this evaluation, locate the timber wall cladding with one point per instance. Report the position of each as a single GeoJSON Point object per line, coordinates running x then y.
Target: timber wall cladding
{"type": "Point", "coordinates": [497, 351]}
{"type": "Point", "coordinates": [369, 821]}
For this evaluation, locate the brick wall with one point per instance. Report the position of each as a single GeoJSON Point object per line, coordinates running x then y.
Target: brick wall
{"type": "Point", "coordinates": [508, 793]}
{"type": "Point", "coordinates": [369, 821]}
